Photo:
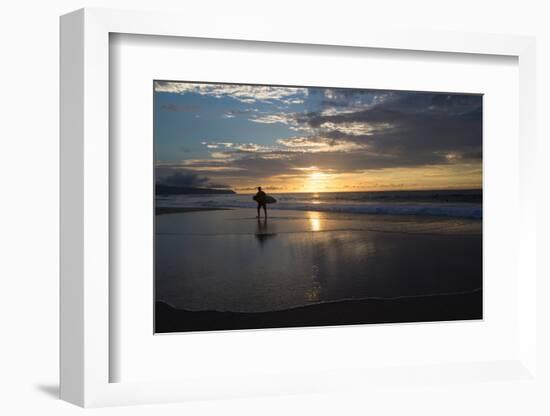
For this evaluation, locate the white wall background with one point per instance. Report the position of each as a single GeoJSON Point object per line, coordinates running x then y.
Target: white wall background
{"type": "Point", "coordinates": [29, 186]}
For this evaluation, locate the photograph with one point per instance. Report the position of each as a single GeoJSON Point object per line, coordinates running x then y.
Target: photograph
{"type": "Point", "coordinates": [280, 206]}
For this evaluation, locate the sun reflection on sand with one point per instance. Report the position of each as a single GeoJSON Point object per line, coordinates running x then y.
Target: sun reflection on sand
{"type": "Point", "coordinates": [315, 220]}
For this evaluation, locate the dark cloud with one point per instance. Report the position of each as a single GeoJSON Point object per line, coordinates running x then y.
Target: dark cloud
{"type": "Point", "coordinates": [216, 185]}
{"type": "Point", "coordinates": [349, 97]}
{"type": "Point", "coordinates": [172, 177]}
{"type": "Point", "coordinates": [183, 179]}
{"type": "Point", "coordinates": [420, 126]}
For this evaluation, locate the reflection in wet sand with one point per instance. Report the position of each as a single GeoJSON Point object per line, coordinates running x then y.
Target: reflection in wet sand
{"type": "Point", "coordinates": [228, 261]}
{"type": "Point", "coordinates": [314, 220]}
{"type": "Point", "coordinates": [263, 232]}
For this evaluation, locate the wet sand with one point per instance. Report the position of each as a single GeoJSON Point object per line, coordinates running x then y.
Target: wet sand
{"type": "Point", "coordinates": [352, 312]}
{"type": "Point", "coordinates": [227, 270]}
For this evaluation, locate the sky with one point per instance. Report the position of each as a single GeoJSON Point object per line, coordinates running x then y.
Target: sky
{"type": "Point", "coordinates": [314, 139]}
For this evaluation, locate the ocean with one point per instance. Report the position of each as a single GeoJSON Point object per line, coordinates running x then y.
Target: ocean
{"type": "Point", "coordinates": [438, 203]}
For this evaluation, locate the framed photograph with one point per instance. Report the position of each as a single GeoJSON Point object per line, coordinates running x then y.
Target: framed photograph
{"type": "Point", "coordinates": [276, 214]}
{"type": "Point", "coordinates": [374, 201]}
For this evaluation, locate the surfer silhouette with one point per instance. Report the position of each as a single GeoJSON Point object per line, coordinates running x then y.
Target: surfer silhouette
{"type": "Point", "coordinates": [261, 199]}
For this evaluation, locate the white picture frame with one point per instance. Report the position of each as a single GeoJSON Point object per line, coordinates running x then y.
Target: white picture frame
{"type": "Point", "coordinates": [85, 216]}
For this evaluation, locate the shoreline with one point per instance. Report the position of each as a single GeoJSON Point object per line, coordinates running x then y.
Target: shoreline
{"type": "Point", "coordinates": [387, 210]}
{"type": "Point", "coordinates": [428, 308]}
{"type": "Point", "coordinates": [182, 210]}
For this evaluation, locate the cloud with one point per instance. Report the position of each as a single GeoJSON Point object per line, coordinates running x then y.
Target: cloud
{"type": "Point", "coordinates": [316, 144]}
{"type": "Point", "coordinates": [230, 148]}
{"type": "Point", "coordinates": [190, 165]}
{"type": "Point", "coordinates": [374, 132]}
{"type": "Point", "coordinates": [283, 148]}
{"type": "Point", "coordinates": [356, 128]}
{"type": "Point", "coordinates": [186, 179]}
{"type": "Point", "coordinates": [293, 120]}
{"type": "Point", "coordinates": [243, 93]}
{"type": "Point", "coordinates": [284, 118]}
{"type": "Point", "coordinates": [410, 123]}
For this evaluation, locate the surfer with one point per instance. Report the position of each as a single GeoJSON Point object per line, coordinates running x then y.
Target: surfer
{"type": "Point", "coordinates": [261, 199]}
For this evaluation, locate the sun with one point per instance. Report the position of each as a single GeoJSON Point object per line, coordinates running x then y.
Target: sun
{"type": "Point", "coordinates": [317, 176]}
{"type": "Point", "coordinates": [317, 181]}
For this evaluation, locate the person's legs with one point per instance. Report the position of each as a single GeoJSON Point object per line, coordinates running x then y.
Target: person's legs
{"type": "Point", "coordinates": [258, 216]}
{"type": "Point", "coordinates": [265, 211]}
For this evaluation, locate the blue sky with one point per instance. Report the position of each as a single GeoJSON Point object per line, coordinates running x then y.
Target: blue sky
{"type": "Point", "coordinates": [315, 139]}
{"type": "Point", "coordinates": [186, 121]}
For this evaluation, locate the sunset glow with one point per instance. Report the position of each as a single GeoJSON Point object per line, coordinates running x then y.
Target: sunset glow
{"type": "Point", "coordinates": [290, 139]}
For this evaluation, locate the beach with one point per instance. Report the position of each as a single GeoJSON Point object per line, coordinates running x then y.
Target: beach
{"type": "Point", "coordinates": [225, 269]}
{"type": "Point", "coordinates": [348, 312]}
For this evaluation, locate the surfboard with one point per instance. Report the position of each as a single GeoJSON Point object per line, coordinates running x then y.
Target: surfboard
{"type": "Point", "coordinates": [267, 199]}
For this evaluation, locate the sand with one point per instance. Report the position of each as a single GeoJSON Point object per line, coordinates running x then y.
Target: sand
{"type": "Point", "coordinates": [227, 270]}
{"type": "Point", "coordinates": [455, 307]}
